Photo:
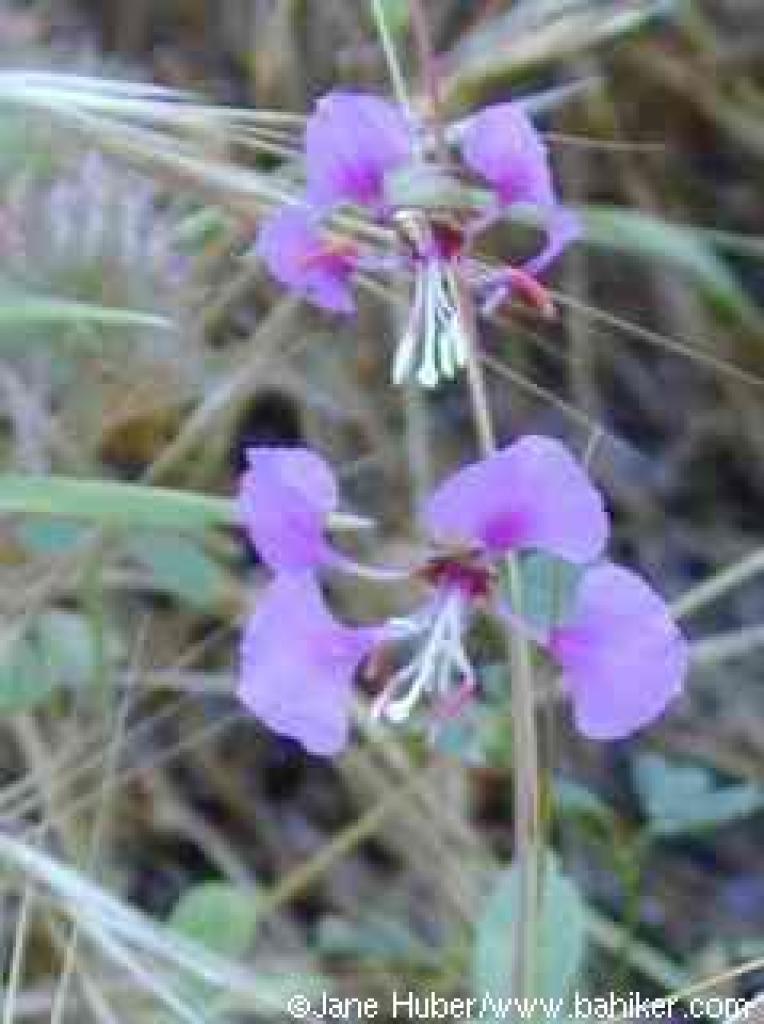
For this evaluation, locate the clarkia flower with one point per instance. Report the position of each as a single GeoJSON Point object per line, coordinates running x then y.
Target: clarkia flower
{"type": "Point", "coordinates": [354, 144]}
{"type": "Point", "coordinates": [621, 656]}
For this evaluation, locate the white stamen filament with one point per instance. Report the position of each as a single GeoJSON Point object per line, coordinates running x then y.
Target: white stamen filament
{"type": "Point", "coordinates": [427, 374]}
{"type": "Point", "coordinates": [434, 329]}
{"type": "Point", "coordinates": [441, 660]}
{"type": "Point", "coordinates": [405, 354]}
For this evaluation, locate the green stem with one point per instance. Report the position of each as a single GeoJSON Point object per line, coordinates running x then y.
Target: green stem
{"type": "Point", "coordinates": [393, 64]}
{"type": "Point", "coordinates": [430, 83]}
{"type": "Point", "coordinates": [429, 73]}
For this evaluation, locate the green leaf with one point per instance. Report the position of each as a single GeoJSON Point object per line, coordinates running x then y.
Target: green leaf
{"type": "Point", "coordinates": [218, 915]}
{"type": "Point", "coordinates": [111, 503]}
{"type": "Point", "coordinates": [684, 797]}
{"type": "Point", "coordinates": [21, 310]}
{"type": "Point", "coordinates": [69, 646]}
{"type": "Point", "coordinates": [720, 807]}
{"type": "Point", "coordinates": [51, 536]}
{"type": "Point", "coordinates": [502, 49]}
{"type": "Point", "coordinates": [561, 930]}
{"type": "Point", "coordinates": [574, 799]}
{"type": "Point", "coordinates": [656, 239]}
{"type": "Point", "coordinates": [548, 586]}
{"type": "Point", "coordinates": [468, 736]}
{"type": "Point", "coordinates": [377, 937]}
{"type": "Point", "coordinates": [180, 566]}
{"type": "Point", "coordinates": [200, 227]}
{"type": "Point", "coordinates": [57, 649]}
{"type": "Point", "coordinates": [104, 917]}
{"type": "Point", "coordinates": [26, 680]}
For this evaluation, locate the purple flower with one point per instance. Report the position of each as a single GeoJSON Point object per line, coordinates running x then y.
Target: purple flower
{"type": "Point", "coordinates": [532, 494]}
{"type": "Point", "coordinates": [352, 141]}
{"type": "Point", "coordinates": [623, 658]}
{"type": "Point", "coordinates": [285, 498]}
{"type": "Point", "coordinates": [297, 253]}
{"type": "Point", "coordinates": [297, 664]}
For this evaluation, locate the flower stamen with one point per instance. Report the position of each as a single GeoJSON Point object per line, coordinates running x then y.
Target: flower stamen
{"type": "Point", "coordinates": [434, 328]}
{"type": "Point", "coordinates": [434, 667]}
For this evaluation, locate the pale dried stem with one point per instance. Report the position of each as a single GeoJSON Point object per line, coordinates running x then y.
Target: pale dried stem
{"type": "Point", "coordinates": [525, 745]}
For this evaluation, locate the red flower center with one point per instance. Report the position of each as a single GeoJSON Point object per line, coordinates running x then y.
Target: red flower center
{"type": "Point", "coordinates": [465, 572]}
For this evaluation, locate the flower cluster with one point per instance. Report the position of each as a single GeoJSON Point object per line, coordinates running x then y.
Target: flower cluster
{"type": "Point", "coordinates": [621, 656]}
{"type": "Point", "coordinates": [95, 228]}
{"type": "Point", "coordinates": [359, 148]}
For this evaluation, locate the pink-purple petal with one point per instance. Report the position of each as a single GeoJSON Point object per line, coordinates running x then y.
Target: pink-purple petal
{"type": "Point", "coordinates": [298, 663]}
{"type": "Point", "coordinates": [285, 498]}
{"type": "Point", "coordinates": [531, 494]}
{"type": "Point", "coordinates": [352, 141]}
{"type": "Point", "coordinates": [501, 144]}
{"type": "Point", "coordinates": [623, 657]}
{"type": "Point", "coordinates": [562, 227]}
{"type": "Point", "coordinates": [298, 255]}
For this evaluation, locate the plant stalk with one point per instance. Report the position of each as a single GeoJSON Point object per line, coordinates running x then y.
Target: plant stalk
{"type": "Point", "coordinates": [525, 745]}
{"type": "Point", "coordinates": [388, 46]}
{"type": "Point", "coordinates": [525, 748]}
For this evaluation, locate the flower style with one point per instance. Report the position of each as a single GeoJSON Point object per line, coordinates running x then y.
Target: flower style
{"type": "Point", "coordinates": [354, 144]}
{"type": "Point", "coordinates": [622, 658]}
